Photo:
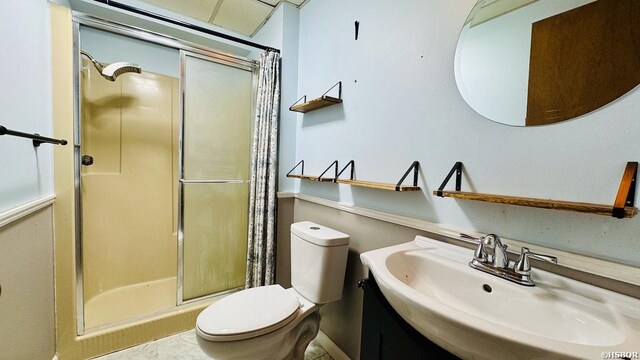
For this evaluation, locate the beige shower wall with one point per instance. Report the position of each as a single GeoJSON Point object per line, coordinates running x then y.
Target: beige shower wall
{"type": "Point", "coordinates": [129, 194]}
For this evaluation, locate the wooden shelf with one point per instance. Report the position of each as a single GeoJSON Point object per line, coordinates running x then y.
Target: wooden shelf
{"type": "Point", "coordinates": [361, 183]}
{"type": "Point", "coordinates": [598, 209]}
{"type": "Point", "coordinates": [622, 208]}
{"type": "Point", "coordinates": [319, 103]}
{"type": "Point", "coordinates": [315, 104]}
{"type": "Point", "coordinates": [378, 185]}
{"type": "Point", "coordinates": [311, 178]}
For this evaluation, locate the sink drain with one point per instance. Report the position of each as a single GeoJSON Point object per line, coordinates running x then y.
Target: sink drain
{"type": "Point", "coordinates": [487, 288]}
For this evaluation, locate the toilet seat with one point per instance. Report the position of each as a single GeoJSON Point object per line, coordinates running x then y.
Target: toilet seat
{"type": "Point", "coordinates": [248, 313]}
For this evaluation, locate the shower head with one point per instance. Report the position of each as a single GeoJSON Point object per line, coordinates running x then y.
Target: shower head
{"type": "Point", "coordinates": [112, 71]}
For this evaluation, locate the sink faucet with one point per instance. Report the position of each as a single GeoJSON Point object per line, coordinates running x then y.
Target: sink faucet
{"type": "Point", "coordinates": [491, 257]}
{"type": "Point", "coordinates": [491, 251]}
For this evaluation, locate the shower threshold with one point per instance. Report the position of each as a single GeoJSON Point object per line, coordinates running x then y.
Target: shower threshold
{"type": "Point", "coordinates": [128, 302]}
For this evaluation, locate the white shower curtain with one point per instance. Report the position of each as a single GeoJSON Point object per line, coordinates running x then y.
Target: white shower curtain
{"type": "Point", "coordinates": [261, 249]}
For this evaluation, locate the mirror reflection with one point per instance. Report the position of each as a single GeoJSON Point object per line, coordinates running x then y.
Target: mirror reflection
{"type": "Point", "coordinates": [537, 62]}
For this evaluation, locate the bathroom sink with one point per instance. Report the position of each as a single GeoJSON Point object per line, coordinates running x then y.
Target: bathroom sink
{"type": "Point", "coordinates": [476, 315]}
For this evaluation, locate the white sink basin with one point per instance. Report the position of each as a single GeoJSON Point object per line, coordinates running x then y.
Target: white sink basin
{"type": "Point", "coordinates": [479, 316]}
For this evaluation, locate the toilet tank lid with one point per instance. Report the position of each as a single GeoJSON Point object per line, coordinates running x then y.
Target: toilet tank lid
{"type": "Point", "coordinates": [318, 234]}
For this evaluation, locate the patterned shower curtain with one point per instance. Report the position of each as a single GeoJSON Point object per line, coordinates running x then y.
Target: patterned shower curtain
{"type": "Point", "coordinates": [261, 249]}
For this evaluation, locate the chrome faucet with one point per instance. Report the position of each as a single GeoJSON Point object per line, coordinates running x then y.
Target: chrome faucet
{"type": "Point", "coordinates": [491, 257]}
{"type": "Point", "coordinates": [491, 251]}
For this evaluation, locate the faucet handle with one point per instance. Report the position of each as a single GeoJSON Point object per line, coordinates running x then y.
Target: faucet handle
{"type": "Point", "coordinates": [522, 265]}
{"type": "Point", "coordinates": [480, 254]}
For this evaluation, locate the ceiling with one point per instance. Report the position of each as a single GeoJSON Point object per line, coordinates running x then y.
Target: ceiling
{"type": "Point", "coordinates": [243, 16]}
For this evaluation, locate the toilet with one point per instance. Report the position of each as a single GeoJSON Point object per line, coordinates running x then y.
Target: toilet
{"type": "Point", "coordinates": [270, 322]}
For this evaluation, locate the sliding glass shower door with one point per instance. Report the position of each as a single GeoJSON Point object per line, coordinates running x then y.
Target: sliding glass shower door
{"type": "Point", "coordinates": [217, 105]}
{"type": "Point", "coordinates": [127, 181]}
{"type": "Point", "coordinates": [162, 175]}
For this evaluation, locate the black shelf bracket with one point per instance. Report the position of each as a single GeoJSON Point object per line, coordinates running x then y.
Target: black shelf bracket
{"type": "Point", "coordinates": [37, 139]}
{"type": "Point", "coordinates": [303, 98]}
{"type": "Point", "coordinates": [334, 164]}
{"type": "Point", "coordinates": [339, 85]}
{"type": "Point", "coordinates": [632, 188]}
{"type": "Point", "coordinates": [298, 164]}
{"type": "Point", "coordinates": [457, 169]}
{"type": "Point", "coordinates": [349, 164]}
{"type": "Point", "coordinates": [414, 166]}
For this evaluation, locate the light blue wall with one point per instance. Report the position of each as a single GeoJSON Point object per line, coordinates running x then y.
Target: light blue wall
{"type": "Point", "coordinates": [25, 100]}
{"type": "Point", "coordinates": [401, 104]}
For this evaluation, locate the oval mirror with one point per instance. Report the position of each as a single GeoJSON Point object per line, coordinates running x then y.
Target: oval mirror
{"type": "Point", "coordinates": [537, 62]}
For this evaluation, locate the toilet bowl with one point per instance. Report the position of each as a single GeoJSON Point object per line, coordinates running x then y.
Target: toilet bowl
{"type": "Point", "coordinates": [270, 322]}
{"type": "Point", "coordinates": [266, 331]}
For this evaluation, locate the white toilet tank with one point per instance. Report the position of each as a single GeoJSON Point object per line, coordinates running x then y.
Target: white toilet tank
{"type": "Point", "coordinates": [318, 261]}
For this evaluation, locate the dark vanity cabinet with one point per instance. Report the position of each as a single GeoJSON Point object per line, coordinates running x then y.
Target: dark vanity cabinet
{"type": "Point", "coordinates": [386, 336]}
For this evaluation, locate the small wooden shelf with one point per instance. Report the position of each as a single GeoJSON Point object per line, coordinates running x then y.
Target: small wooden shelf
{"type": "Point", "coordinates": [319, 103]}
{"type": "Point", "coordinates": [598, 209]}
{"type": "Point", "coordinates": [622, 208]}
{"type": "Point", "coordinates": [360, 183]}
{"type": "Point", "coordinates": [315, 104]}
{"type": "Point", "coordinates": [378, 185]}
{"type": "Point", "coordinates": [311, 178]}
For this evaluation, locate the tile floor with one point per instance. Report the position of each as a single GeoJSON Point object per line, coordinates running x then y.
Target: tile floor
{"type": "Point", "coordinates": [183, 346]}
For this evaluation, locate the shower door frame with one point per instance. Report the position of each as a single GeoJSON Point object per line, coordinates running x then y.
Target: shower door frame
{"type": "Point", "coordinates": [184, 48]}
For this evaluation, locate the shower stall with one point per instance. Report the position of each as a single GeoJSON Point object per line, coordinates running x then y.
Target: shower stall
{"type": "Point", "coordinates": [162, 153]}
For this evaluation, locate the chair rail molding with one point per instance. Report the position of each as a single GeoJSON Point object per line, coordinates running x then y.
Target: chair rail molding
{"type": "Point", "coordinates": [9, 216]}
